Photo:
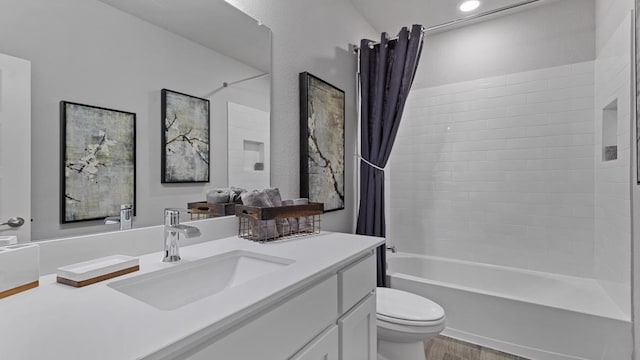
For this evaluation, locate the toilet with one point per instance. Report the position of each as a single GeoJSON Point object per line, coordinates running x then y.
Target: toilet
{"type": "Point", "coordinates": [404, 322]}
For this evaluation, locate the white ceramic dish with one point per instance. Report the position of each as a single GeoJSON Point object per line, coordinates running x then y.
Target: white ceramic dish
{"type": "Point", "coordinates": [19, 266]}
{"type": "Point", "coordinates": [8, 240]}
{"type": "Point", "coordinates": [97, 267]}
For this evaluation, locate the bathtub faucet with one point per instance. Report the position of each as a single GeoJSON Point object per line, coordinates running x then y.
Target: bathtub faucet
{"type": "Point", "coordinates": [392, 248]}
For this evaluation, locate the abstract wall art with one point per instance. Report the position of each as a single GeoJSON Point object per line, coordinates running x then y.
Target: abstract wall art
{"type": "Point", "coordinates": [98, 161]}
{"type": "Point", "coordinates": [636, 99]}
{"type": "Point", "coordinates": [321, 142]}
{"type": "Point", "coordinates": [185, 138]}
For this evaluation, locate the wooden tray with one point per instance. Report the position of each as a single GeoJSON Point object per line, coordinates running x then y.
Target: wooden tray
{"type": "Point", "coordinates": [279, 212]}
{"type": "Point", "coordinates": [19, 289]}
{"type": "Point", "coordinates": [212, 210]}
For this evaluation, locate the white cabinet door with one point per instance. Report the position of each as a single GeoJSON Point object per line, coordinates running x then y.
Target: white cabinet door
{"type": "Point", "coordinates": [356, 281]}
{"type": "Point", "coordinates": [358, 331]}
{"type": "Point", "coordinates": [278, 333]}
{"type": "Point", "coordinates": [15, 145]}
{"type": "Point", "coordinates": [325, 347]}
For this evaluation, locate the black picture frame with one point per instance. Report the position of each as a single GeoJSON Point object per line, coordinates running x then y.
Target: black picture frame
{"type": "Point", "coordinates": [97, 161]}
{"type": "Point", "coordinates": [185, 138]}
{"type": "Point", "coordinates": [322, 142]}
{"type": "Point", "coordinates": [636, 56]}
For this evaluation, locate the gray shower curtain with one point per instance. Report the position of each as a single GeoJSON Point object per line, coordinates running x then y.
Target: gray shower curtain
{"type": "Point", "coordinates": [386, 75]}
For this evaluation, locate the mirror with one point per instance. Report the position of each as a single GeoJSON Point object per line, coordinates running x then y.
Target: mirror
{"type": "Point", "coordinates": [120, 54]}
{"type": "Point", "coordinates": [248, 140]}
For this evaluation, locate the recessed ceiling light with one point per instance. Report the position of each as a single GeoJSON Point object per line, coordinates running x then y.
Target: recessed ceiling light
{"type": "Point", "coordinates": [469, 5]}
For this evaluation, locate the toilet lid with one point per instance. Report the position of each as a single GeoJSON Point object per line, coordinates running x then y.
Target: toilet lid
{"type": "Point", "coordinates": [402, 305]}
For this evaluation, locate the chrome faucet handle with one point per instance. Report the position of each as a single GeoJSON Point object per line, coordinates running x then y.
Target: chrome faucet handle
{"type": "Point", "coordinates": [186, 230]}
{"type": "Point", "coordinates": [172, 231]}
{"type": "Point", "coordinates": [125, 219]}
{"type": "Point", "coordinates": [126, 216]}
{"type": "Point", "coordinates": [171, 217]}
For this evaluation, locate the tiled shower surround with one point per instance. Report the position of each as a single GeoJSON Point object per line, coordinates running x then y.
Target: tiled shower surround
{"type": "Point", "coordinates": [500, 170]}
{"type": "Point", "coordinates": [612, 189]}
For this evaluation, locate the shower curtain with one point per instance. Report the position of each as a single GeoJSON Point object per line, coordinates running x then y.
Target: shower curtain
{"type": "Point", "coordinates": [386, 74]}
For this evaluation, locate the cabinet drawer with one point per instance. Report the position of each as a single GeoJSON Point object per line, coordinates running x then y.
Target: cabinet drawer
{"type": "Point", "coordinates": [356, 282]}
{"type": "Point", "coordinates": [278, 333]}
{"type": "Point", "coordinates": [325, 347]}
{"type": "Point", "coordinates": [358, 331]}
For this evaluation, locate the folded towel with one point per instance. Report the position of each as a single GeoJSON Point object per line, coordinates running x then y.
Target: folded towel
{"type": "Point", "coordinates": [304, 222]}
{"type": "Point", "coordinates": [268, 198]}
{"type": "Point", "coordinates": [283, 225]}
{"type": "Point", "coordinates": [293, 222]}
{"type": "Point", "coordinates": [225, 195]}
{"type": "Point", "coordinates": [257, 198]}
{"type": "Point", "coordinates": [218, 196]}
{"type": "Point", "coordinates": [260, 229]}
{"type": "Point", "coordinates": [235, 194]}
{"type": "Point", "coordinates": [274, 196]}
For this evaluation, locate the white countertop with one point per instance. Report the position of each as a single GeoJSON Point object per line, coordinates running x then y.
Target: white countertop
{"type": "Point", "coordinates": [96, 322]}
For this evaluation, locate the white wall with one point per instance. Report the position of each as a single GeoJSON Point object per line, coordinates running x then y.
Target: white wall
{"type": "Point", "coordinates": [87, 52]}
{"type": "Point", "coordinates": [310, 36]}
{"type": "Point", "coordinates": [553, 34]}
{"type": "Point", "coordinates": [499, 170]}
{"type": "Point", "coordinates": [610, 17]}
{"type": "Point", "coordinates": [248, 126]}
{"type": "Point", "coordinates": [612, 258]}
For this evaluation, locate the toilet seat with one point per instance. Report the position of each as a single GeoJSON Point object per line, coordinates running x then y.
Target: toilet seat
{"type": "Point", "coordinates": [404, 308]}
{"type": "Point", "coordinates": [385, 319]}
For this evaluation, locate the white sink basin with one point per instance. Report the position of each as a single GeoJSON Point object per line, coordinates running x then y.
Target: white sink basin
{"type": "Point", "coordinates": [187, 282]}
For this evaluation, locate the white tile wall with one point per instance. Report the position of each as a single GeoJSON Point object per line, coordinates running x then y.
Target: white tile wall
{"type": "Point", "coordinates": [245, 123]}
{"type": "Point", "coordinates": [500, 170]}
{"type": "Point", "coordinates": [612, 190]}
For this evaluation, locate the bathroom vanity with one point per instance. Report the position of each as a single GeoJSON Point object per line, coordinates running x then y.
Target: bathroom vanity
{"type": "Point", "coordinates": [306, 298]}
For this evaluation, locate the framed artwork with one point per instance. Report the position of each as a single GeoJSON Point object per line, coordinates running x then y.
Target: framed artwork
{"type": "Point", "coordinates": [321, 142]}
{"type": "Point", "coordinates": [98, 161]}
{"type": "Point", "coordinates": [185, 138]}
{"type": "Point", "coordinates": [636, 56]}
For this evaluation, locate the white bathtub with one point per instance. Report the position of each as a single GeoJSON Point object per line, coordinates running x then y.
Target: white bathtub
{"type": "Point", "coordinates": [533, 314]}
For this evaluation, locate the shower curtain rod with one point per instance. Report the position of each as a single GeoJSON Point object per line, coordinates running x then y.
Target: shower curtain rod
{"type": "Point", "coordinates": [226, 84]}
{"type": "Point", "coordinates": [356, 48]}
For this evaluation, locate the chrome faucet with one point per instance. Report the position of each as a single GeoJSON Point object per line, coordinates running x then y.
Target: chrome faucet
{"type": "Point", "coordinates": [392, 248]}
{"type": "Point", "coordinates": [125, 219]}
{"type": "Point", "coordinates": [172, 231]}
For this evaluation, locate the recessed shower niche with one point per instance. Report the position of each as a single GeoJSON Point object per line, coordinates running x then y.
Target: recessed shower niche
{"type": "Point", "coordinates": [248, 146]}
{"type": "Point", "coordinates": [610, 131]}
{"type": "Point", "coordinates": [253, 155]}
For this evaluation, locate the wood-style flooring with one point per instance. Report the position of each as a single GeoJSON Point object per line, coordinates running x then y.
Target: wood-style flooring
{"type": "Point", "coordinates": [445, 348]}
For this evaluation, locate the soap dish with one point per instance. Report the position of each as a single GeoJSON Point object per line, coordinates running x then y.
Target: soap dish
{"type": "Point", "coordinates": [8, 240]}
{"type": "Point", "coordinates": [19, 268]}
{"type": "Point", "coordinates": [93, 271]}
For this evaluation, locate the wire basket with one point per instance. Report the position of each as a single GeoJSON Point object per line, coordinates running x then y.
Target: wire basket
{"type": "Point", "coordinates": [265, 224]}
